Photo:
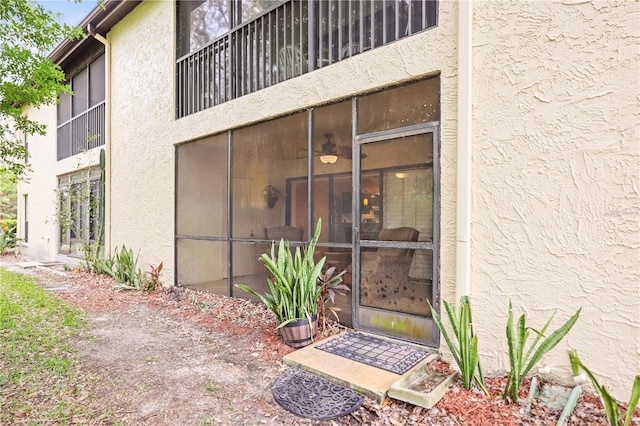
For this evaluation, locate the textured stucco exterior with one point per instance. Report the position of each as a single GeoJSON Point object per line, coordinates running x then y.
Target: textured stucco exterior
{"type": "Point", "coordinates": [555, 160]}
{"type": "Point", "coordinates": [556, 213]}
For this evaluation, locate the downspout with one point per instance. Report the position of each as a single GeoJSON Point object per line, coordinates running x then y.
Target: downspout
{"type": "Point", "coordinates": [463, 213]}
{"type": "Point", "coordinates": [107, 136]}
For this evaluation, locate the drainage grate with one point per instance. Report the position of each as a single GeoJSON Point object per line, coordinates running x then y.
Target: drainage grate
{"type": "Point", "coordinates": [313, 397]}
{"type": "Point", "coordinates": [374, 352]}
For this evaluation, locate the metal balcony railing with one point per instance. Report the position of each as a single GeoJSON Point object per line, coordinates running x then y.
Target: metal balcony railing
{"type": "Point", "coordinates": [82, 133]}
{"type": "Point", "coordinates": [294, 38]}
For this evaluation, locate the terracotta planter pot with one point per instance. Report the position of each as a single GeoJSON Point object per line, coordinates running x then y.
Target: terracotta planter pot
{"type": "Point", "coordinates": [298, 333]}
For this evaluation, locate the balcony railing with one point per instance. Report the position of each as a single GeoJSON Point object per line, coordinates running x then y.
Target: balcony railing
{"type": "Point", "coordinates": [292, 39]}
{"type": "Point", "coordinates": [82, 133]}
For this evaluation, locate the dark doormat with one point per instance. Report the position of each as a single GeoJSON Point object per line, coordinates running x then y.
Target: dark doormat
{"type": "Point", "coordinates": [307, 395]}
{"type": "Point", "coordinates": [377, 353]}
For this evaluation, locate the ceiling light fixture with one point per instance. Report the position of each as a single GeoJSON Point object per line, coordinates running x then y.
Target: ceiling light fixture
{"type": "Point", "coordinates": [329, 154]}
{"type": "Point", "coordinates": [328, 158]}
{"type": "Point", "coordinates": [402, 175]}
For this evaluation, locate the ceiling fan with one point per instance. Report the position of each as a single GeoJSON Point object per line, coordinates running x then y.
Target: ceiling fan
{"type": "Point", "coordinates": [330, 152]}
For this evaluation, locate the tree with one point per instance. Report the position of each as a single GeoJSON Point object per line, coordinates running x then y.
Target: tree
{"type": "Point", "coordinates": [28, 32]}
{"type": "Point", "coordinates": [8, 195]}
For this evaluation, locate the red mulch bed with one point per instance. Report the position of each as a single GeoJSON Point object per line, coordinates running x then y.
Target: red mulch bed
{"type": "Point", "coordinates": [239, 317]}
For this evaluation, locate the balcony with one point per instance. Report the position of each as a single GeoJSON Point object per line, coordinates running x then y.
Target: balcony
{"type": "Point", "coordinates": [294, 38]}
{"type": "Point", "coordinates": [82, 133]}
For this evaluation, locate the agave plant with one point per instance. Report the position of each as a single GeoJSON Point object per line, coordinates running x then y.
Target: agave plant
{"type": "Point", "coordinates": [609, 402]}
{"type": "Point", "coordinates": [293, 283]}
{"type": "Point", "coordinates": [522, 362]}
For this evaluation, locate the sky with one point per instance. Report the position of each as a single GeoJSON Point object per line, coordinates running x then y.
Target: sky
{"type": "Point", "coordinates": [69, 11]}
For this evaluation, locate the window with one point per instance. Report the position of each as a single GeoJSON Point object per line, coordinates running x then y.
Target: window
{"type": "Point", "coordinates": [79, 199]}
{"type": "Point", "coordinates": [81, 115]}
{"type": "Point", "coordinates": [26, 219]}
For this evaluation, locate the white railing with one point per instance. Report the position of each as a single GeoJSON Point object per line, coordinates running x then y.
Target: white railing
{"type": "Point", "coordinates": [82, 133]}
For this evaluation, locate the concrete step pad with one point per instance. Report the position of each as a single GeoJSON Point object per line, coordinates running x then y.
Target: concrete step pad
{"type": "Point", "coordinates": [370, 381]}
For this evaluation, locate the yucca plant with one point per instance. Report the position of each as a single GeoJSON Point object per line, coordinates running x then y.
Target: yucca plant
{"type": "Point", "coordinates": [293, 282]}
{"type": "Point", "coordinates": [522, 362]}
{"type": "Point", "coordinates": [126, 267]}
{"type": "Point", "coordinates": [465, 349]}
{"type": "Point", "coordinates": [122, 267]}
{"type": "Point", "coordinates": [610, 404]}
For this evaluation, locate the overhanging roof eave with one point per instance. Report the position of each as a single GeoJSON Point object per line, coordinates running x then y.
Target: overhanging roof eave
{"type": "Point", "coordinates": [101, 20]}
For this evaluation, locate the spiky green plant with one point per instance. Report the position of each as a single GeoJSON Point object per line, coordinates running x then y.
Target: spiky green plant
{"type": "Point", "coordinates": [465, 349]}
{"type": "Point", "coordinates": [293, 283]}
{"type": "Point", "coordinates": [609, 402]}
{"type": "Point", "coordinates": [122, 266]}
{"type": "Point", "coordinates": [522, 362]}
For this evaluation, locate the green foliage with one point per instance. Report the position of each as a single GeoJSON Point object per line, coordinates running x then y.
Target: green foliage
{"type": "Point", "coordinates": [293, 283]}
{"type": "Point", "coordinates": [8, 195]}
{"type": "Point", "coordinates": [122, 266]}
{"type": "Point", "coordinates": [330, 285]}
{"type": "Point", "coordinates": [465, 349]}
{"type": "Point", "coordinates": [6, 224]}
{"type": "Point", "coordinates": [126, 270]}
{"type": "Point", "coordinates": [522, 362]}
{"type": "Point", "coordinates": [28, 32]}
{"type": "Point", "coordinates": [94, 252]}
{"type": "Point", "coordinates": [8, 229]}
{"type": "Point", "coordinates": [101, 198]}
{"type": "Point", "coordinates": [609, 402]}
{"type": "Point", "coordinates": [99, 263]}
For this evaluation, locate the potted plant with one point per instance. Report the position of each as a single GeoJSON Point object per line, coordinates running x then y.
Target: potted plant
{"type": "Point", "coordinates": [293, 289]}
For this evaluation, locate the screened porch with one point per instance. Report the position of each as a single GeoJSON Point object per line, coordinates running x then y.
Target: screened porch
{"type": "Point", "coordinates": [227, 49]}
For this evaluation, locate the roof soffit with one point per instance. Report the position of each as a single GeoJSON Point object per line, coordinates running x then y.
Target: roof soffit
{"type": "Point", "coordinates": [100, 20]}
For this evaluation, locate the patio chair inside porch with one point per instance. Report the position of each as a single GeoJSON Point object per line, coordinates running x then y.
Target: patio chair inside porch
{"type": "Point", "coordinates": [387, 284]}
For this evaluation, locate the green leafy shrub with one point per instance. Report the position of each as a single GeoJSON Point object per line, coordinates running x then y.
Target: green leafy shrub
{"type": "Point", "coordinates": [609, 402]}
{"type": "Point", "coordinates": [522, 362]}
{"type": "Point", "coordinates": [7, 224]}
{"type": "Point", "coordinates": [8, 229]}
{"type": "Point", "coordinates": [465, 349]}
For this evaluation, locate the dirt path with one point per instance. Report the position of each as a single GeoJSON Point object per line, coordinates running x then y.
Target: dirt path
{"type": "Point", "coordinates": [152, 361]}
{"type": "Point", "coordinates": [165, 372]}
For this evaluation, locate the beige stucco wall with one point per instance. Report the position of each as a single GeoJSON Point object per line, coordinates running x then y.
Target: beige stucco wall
{"type": "Point", "coordinates": [142, 154]}
{"type": "Point", "coordinates": [555, 159]}
{"type": "Point", "coordinates": [556, 189]}
{"type": "Point", "coordinates": [39, 188]}
{"type": "Point", "coordinates": [144, 130]}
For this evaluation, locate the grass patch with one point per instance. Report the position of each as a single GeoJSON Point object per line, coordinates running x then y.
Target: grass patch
{"type": "Point", "coordinates": [36, 355]}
